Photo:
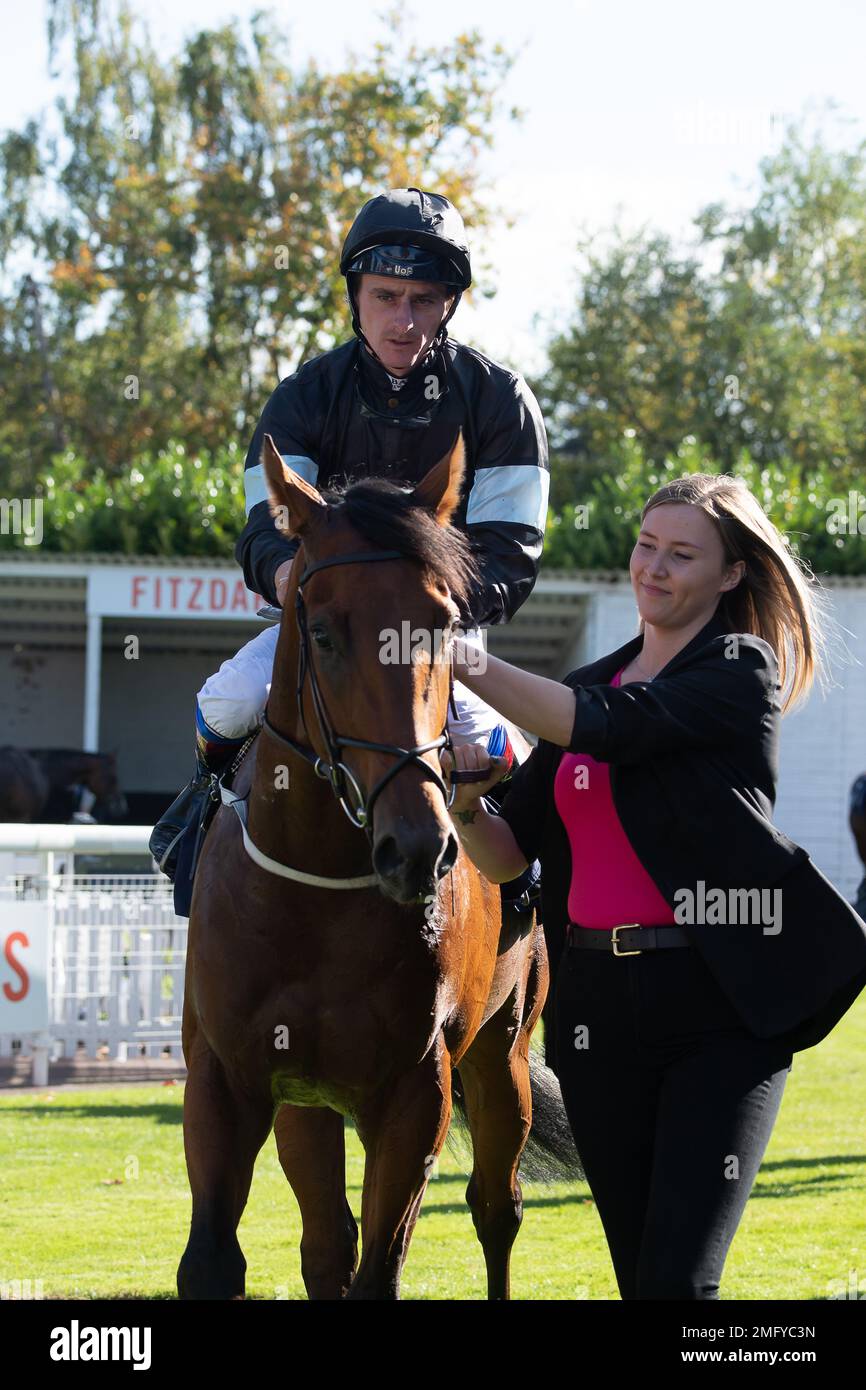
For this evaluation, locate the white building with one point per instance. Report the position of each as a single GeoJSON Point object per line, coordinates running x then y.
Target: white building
{"type": "Point", "coordinates": [105, 652]}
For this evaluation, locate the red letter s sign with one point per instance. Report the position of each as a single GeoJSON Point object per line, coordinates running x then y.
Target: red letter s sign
{"type": "Point", "coordinates": [13, 995]}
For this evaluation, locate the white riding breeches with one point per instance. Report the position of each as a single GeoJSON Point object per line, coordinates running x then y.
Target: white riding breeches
{"type": "Point", "coordinates": [232, 701]}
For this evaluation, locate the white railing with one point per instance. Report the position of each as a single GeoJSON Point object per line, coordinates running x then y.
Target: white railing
{"type": "Point", "coordinates": [117, 950]}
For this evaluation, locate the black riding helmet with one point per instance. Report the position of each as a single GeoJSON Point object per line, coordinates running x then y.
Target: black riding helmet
{"type": "Point", "coordinates": [412, 235]}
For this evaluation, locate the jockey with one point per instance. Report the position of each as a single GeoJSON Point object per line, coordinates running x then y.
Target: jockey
{"type": "Point", "coordinates": [388, 402]}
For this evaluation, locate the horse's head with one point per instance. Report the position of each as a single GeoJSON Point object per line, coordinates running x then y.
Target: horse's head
{"type": "Point", "coordinates": [378, 640]}
{"type": "Point", "coordinates": [102, 781]}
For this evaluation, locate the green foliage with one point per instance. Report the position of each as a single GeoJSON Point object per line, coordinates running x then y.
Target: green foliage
{"type": "Point", "coordinates": [166, 503]}
{"type": "Point", "coordinates": [598, 527]}
{"type": "Point", "coordinates": [174, 502]}
{"type": "Point", "coordinates": [745, 356]}
{"type": "Point", "coordinates": [185, 231]}
{"type": "Point", "coordinates": [755, 340]}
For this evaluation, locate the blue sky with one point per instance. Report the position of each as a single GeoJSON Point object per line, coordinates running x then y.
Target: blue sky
{"type": "Point", "coordinates": [636, 112]}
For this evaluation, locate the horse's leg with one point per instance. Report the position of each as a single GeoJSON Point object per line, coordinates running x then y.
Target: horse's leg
{"type": "Point", "coordinates": [494, 1073]}
{"type": "Point", "coordinates": [402, 1131]}
{"type": "Point", "coordinates": [223, 1131]}
{"type": "Point", "coordinates": [312, 1149]}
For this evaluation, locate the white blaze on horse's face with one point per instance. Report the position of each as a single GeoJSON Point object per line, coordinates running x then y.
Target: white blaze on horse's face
{"type": "Point", "coordinates": [400, 319]}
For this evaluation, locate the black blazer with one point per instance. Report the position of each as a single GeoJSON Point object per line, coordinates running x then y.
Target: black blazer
{"type": "Point", "coordinates": [693, 760]}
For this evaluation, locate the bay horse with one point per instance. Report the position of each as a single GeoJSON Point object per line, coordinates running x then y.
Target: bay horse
{"type": "Point", "coordinates": [51, 785]}
{"type": "Point", "coordinates": [23, 786]}
{"type": "Point", "coordinates": [331, 974]}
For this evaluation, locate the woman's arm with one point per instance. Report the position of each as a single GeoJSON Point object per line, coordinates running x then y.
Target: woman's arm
{"type": "Point", "coordinates": [488, 840]}
{"type": "Point", "coordinates": [718, 700]}
{"type": "Point", "coordinates": [542, 706]}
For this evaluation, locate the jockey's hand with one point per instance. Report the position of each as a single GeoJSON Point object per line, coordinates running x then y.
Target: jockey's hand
{"type": "Point", "coordinates": [472, 757]}
{"type": "Point", "coordinates": [281, 580]}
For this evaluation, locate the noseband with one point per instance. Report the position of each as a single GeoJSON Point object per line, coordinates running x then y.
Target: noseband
{"type": "Point", "coordinates": [332, 768]}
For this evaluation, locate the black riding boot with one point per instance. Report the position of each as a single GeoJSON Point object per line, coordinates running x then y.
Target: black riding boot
{"type": "Point", "coordinates": [191, 811]}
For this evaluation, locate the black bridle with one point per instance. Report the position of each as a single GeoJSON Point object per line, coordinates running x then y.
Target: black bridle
{"type": "Point", "coordinates": [332, 768]}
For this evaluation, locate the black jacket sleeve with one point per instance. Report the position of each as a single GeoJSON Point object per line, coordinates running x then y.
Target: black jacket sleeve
{"type": "Point", "coordinates": [262, 548]}
{"type": "Point", "coordinates": [710, 704]}
{"type": "Point", "coordinates": [506, 509]}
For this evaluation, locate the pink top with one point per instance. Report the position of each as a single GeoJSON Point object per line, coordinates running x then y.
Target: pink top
{"type": "Point", "coordinates": [609, 884]}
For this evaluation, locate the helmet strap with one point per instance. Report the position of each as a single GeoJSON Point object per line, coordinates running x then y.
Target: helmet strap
{"type": "Point", "coordinates": [442, 332]}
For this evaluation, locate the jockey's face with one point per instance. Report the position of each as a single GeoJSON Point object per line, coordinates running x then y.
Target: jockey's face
{"type": "Point", "coordinates": [399, 318]}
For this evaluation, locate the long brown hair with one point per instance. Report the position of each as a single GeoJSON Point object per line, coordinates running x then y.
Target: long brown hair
{"type": "Point", "coordinates": [778, 597]}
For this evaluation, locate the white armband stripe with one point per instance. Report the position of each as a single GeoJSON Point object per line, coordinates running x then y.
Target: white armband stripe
{"type": "Point", "coordinates": [510, 492]}
{"type": "Point", "coordinates": [255, 483]}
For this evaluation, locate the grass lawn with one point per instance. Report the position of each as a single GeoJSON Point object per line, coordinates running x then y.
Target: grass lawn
{"type": "Point", "coordinates": [94, 1201]}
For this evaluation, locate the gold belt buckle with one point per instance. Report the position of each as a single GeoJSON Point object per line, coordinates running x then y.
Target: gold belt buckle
{"type": "Point", "coordinates": [624, 926]}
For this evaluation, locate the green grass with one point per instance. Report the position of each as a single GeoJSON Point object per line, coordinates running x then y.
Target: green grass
{"type": "Point", "coordinates": [66, 1219]}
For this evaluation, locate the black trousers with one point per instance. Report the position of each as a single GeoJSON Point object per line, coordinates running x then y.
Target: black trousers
{"type": "Point", "coordinates": [671, 1101]}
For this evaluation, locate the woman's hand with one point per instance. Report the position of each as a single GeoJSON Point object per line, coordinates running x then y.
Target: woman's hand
{"type": "Point", "coordinates": [471, 757]}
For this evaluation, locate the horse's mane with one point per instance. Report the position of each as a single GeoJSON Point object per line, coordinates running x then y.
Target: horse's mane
{"type": "Point", "coordinates": [386, 514]}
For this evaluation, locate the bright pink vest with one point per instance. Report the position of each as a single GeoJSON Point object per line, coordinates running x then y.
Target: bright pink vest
{"type": "Point", "coordinates": [609, 884]}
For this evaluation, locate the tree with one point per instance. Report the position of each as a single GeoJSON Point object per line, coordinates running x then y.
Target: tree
{"type": "Point", "coordinates": [753, 341]}
{"type": "Point", "coordinates": [184, 232]}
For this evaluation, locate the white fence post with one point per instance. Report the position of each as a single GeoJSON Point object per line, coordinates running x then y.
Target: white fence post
{"type": "Point", "coordinates": [41, 1054]}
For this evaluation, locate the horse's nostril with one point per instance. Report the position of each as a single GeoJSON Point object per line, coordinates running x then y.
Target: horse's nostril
{"type": "Point", "coordinates": [386, 856]}
{"type": "Point", "coordinates": [415, 862]}
{"type": "Point", "coordinates": [448, 857]}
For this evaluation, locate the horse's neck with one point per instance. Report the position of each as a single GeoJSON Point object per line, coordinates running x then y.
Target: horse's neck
{"type": "Point", "coordinates": [69, 767]}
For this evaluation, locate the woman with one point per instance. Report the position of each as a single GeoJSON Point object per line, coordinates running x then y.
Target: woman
{"type": "Point", "coordinates": [648, 802]}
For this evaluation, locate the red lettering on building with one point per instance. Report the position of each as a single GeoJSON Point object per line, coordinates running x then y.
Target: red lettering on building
{"type": "Point", "coordinates": [197, 585]}
{"type": "Point", "coordinates": [218, 587]}
{"type": "Point", "coordinates": [16, 938]}
{"type": "Point", "coordinates": [138, 581]}
{"type": "Point", "coordinates": [173, 584]}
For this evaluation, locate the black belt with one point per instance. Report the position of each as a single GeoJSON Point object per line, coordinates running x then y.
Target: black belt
{"type": "Point", "coordinates": [629, 935]}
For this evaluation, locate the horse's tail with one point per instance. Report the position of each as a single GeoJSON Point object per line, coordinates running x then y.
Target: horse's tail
{"type": "Point", "coordinates": [549, 1155]}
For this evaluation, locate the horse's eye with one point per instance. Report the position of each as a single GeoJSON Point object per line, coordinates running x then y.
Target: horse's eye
{"type": "Point", "coordinates": [321, 638]}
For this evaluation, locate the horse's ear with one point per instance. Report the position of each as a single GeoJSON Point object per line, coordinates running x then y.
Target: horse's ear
{"type": "Point", "coordinates": [440, 488]}
{"type": "Point", "coordinates": [294, 503]}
